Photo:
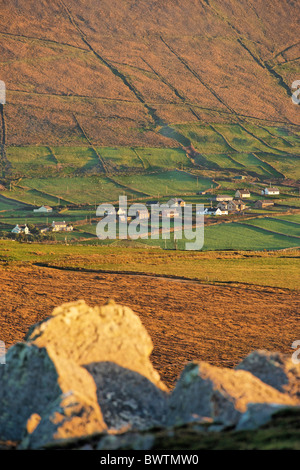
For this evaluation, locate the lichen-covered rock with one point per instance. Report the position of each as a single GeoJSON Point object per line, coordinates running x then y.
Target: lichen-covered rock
{"type": "Point", "coordinates": [258, 414]}
{"type": "Point", "coordinates": [223, 394]}
{"type": "Point", "coordinates": [36, 379]}
{"type": "Point", "coordinates": [109, 333]}
{"type": "Point", "coordinates": [126, 398]}
{"type": "Point", "coordinates": [76, 366]}
{"type": "Point", "coordinates": [275, 369]}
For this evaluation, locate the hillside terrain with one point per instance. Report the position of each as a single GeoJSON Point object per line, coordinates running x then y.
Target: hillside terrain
{"type": "Point", "coordinates": [139, 88]}
{"type": "Point", "coordinates": [155, 99]}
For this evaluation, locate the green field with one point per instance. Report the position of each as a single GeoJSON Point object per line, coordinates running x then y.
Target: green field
{"type": "Point", "coordinates": [266, 151]}
{"type": "Point", "coordinates": [60, 190]}
{"type": "Point", "coordinates": [167, 182]}
{"type": "Point", "coordinates": [266, 269]}
{"type": "Point", "coordinates": [263, 150]}
{"type": "Point", "coordinates": [236, 236]}
{"type": "Point", "coordinates": [277, 225]}
{"type": "Point", "coordinates": [123, 158]}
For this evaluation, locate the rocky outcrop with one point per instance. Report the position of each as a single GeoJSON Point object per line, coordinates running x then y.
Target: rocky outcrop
{"type": "Point", "coordinates": [86, 371]}
{"type": "Point", "coordinates": [275, 369]}
{"type": "Point", "coordinates": [38, 387]}
{"type": "Point", "coordinates": [82, 371]}
{"type": "Point", "coordinates": [219, 393]}
{"type": "Point", "coordinates": [259, 414]}
{"type": "Point", "coordinates": [127, 398]}
{"type": "Point", "coordinates": [110, 333]}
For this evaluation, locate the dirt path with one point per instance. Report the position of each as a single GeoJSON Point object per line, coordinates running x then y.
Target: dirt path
{"type": "Point", "coordinates": [186, 320]}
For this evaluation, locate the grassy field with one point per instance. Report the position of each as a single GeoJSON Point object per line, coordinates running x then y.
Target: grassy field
{"type": "Point", "coordinates": [252, 148]}
{"type": "Point", "coordinates": [266, 232]}
{"type": "Point", "coordinates": [265, 151]}
{"type": "Point", "coordinates": [167, 182]}
{"type": "Point", "coordinates": [278, 269]}
{"type": "Point", "coordinates": [277, 225]}
{"type": "Point", "coordinates": [239, 236]}
{"type": "Point", "coordinates": [60, 190]}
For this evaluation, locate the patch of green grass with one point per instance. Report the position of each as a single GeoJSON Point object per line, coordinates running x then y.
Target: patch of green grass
{"type": "Point", "coordinates": [289, 165]}
{"type": "Point", "coordinates": [73, 158]}
{"type": "Point", "coordinates": [121, 158]}
{"type": "Point", "coordinates": [33, 197]}
{"type": "Point", "coordinates": [292, 218]}
{"type": "Point", "coordinates": [31, 161]}
{"type": "Point", "coordinates": [60, 190]}
{"type": "Point", "coordinates": [164, 158]}
{"type": "Point", "coordinates": [204, 138]}
{"type": "Point", "coordinates": [266, 269]}
{"type": "Point", "coordinates": [241, 237]}
{"type": "Point", "coordinates": [276, 225]}
{"type": "Point", "coordinates": [168, 182]}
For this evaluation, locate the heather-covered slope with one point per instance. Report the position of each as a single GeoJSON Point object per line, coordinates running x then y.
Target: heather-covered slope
{"type": "Point", "coordinates": [111, 72]}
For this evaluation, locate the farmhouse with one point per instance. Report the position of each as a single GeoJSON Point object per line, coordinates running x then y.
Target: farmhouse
{"type": "Point", "coordinates": [236, 206]}
{"type": "Point", "coordinates": [270, 191]}
{"type": "Point", "coordinates": [176, 202]}
{"type": "Point", "coordinates": [239, 177]}
{"type": "Point", "coordinates": [20, 229]}
{"type": "Point", "coordinates": [221, 211]}
{"type": "Point", "coordinates": [263, 204]}
{"type": "Point", "coordinates": [142, 214]}
{"type": "Point", "coordinates": [215, 211]}
{"type": "Point", "coordinates": [61, 227]}
{"type": "Point", "coordinates": [121, 212]}
{"type": "Point", "coordinates": [43, 209]}
{"type": "Point", "coordinates": [223, 206]}
{"type": "Point", "coordinates": [242, 193]}
{"type": "Point", "coordinates": [222, 198]}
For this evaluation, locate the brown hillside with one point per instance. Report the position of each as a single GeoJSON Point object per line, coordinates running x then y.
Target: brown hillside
{"type": "Point", "coordinates": [113, 70]}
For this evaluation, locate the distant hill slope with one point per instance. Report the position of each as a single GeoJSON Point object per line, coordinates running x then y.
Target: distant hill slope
{"type": "Point", "coordinates": [112, 73]}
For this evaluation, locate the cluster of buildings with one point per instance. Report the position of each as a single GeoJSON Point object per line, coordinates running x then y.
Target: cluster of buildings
{"type": "Point", "coordinates": [54, 227]}
{"type": "Point", "coordinates": [21, 229]}
{"type": "Point", "coordinates": [228, 204]}
{"type": "Point", "coordinates": [225, 204]}
{"type": "Point", "coordinates": [61, 226]}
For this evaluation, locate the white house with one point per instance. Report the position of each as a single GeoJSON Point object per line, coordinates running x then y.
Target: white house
{"type": "Point", "coordinates": [270, 191]}
{"type": "Point", "coordinates": [121, 212]}
{"type": "Point", "coordinates": [43, 209]}
{"type": "Point", "coordinates": [213, 211]}
{"type": "Point", "coordinates": [61, 227]}
{"type": "Point", "coordinates": [170, 213]}
{"type": "Point", "coordinates": [221, 212]}
{"type": "Point", "coordinates": [222, 198]}
{"type": "Point", "coordinates": [20, 229]}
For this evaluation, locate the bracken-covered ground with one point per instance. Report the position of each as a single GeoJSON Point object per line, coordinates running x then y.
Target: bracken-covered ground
{"type": "Point", "coordinates": [186, 320]}
{"type": "Point", "coordinates": [109, 72]}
